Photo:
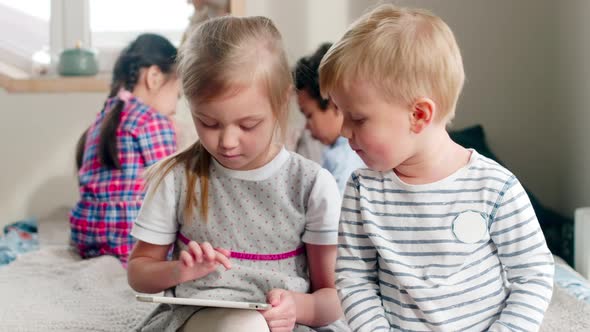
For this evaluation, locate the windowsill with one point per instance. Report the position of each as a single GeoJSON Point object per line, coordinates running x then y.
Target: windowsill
{"type": "Point", "coordinates": [14, 80]}
{"type": "Point", "coordinates": [55, 84]}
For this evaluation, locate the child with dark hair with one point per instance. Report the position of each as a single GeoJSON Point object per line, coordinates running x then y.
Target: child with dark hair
{"type": "Point", "coordinates": [134, 130]}
{"type": "Point", "coordinates": [324, 120]}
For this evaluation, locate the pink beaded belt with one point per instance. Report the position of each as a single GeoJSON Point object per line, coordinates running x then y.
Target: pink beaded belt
{"type": "Point", "coordinates": [255, 257]}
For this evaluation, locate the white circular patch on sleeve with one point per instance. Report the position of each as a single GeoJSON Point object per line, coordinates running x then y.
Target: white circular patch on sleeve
{"type": "Point", "coordinates": [469, 227]}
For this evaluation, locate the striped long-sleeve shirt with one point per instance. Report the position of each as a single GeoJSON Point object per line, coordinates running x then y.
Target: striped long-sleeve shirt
{"type": "Point", "coordinates": [404, 263]}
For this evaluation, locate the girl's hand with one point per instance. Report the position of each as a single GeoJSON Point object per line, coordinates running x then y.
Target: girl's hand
{"type": "Point", "coordinates": [200, 260]}
{"type": "Point", "coordinates": [282, 316]}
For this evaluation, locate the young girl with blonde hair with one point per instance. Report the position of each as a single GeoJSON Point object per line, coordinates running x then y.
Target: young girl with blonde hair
{"type": "Point", "coordinates": [248, 220]}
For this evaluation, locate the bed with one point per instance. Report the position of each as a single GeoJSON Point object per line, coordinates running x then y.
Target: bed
{"type": "Point", "coordinates": [51, 289]}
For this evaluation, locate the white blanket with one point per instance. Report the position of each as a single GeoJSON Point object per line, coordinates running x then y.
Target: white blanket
{"type": "Point", "coordinates": [53, 290]}
{"type": "Point", "coordinates": [566, 313]}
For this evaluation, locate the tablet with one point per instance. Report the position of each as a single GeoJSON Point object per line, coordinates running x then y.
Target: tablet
{"type": "Point", "coordinates": [203, 302]}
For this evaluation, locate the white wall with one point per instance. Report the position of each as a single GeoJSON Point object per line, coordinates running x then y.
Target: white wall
{"type": "Point", "coordinates": [304, 24]}
{"type": "Point", "coordinates": [510, 56]}
{"type": "Point", "coordinates": [527, 79]}
{"type": "Point", "coordinates": [511, 62]}
{"type": "Point", "coordinates": [572, 107]}
{"type": "Point", "coordinates": [38, 134]}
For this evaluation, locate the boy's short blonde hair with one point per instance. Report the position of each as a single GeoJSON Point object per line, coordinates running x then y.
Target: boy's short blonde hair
{"type": "Point", "coordinates": [404, 53]}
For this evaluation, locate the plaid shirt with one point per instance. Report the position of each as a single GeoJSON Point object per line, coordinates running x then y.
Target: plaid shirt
{"type": "Point", "coordinates": [110, 198]}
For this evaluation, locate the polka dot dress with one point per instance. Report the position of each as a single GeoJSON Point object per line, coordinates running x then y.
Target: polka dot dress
{"type": "Point", "coordinates": [260, 216]}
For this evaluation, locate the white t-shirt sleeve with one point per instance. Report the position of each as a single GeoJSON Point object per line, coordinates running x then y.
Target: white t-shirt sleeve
{"type": "Point", "coordinates": [323, 211]}
{"type": "Point", "coordinates": [156, 222]}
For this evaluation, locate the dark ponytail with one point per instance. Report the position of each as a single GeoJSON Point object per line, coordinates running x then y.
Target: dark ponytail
{"type": "Point", "coordinates": [145, 51]}
{"type": "Point", "coordinates": [80, 150]}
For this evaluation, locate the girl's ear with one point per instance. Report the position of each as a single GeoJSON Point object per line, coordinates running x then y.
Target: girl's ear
{"type": "Point", "coordinates": [422, 114]}
{"type": "Point", "coordinates": [154, 78]}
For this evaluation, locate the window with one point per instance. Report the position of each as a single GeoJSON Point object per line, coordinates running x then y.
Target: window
{"type": "Point", "coordinates": [114, 23]}
{"type": "Point", "coordinates": [24, 32]}
{"type": "Point", "coordinates": [41, 29]}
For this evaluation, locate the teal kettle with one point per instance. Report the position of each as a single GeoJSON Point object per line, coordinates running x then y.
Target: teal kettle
{"type": "Point", "coordinates": [77, 62]}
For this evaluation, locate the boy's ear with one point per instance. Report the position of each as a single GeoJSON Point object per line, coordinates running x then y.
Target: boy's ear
{"type": "Point", "coordinates": [154, 78]}
{"type": "Point", "coordinates": [422, 114]}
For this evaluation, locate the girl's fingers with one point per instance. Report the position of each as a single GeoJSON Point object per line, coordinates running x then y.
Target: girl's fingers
{"type": "Point", "coordinates": [186, 258]}
{"type": "Point", "coordinates": [196, 251]}
{"type": "Point", "coordinates": [281, 329]}
{"type": "Point", "coordinates": [208, 251]}
{"type": "Point", "coordinates": [272, 314]}
{"type": "Point", "coordinates": [274, 297]}
{"type": "Point", "coordinates": [221, 258]}
{"type": "Point", "coordinates": [225, 252]}
{"type": "Point", "coordinates": [279, 323]}
{"type": "Point", "coordinates": [205, 252]}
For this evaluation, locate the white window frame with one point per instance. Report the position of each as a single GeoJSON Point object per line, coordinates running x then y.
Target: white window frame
{"type": "Point", "coordinates": [107, 53]}
{"type": "Point", "coordinates": [69, 23]}
{"type": "Point", "coordinates": [16, 57]}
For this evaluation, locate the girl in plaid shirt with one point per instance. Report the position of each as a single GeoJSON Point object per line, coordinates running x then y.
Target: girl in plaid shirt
{"type": "Point", "coordinates": [134, 130]}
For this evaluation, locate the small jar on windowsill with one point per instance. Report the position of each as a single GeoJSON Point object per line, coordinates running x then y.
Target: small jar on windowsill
{"type": "Point", "coordinates": [77, 61]}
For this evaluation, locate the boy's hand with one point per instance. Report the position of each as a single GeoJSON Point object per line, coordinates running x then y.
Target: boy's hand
{"type": "Point", "coordinates": [282, 316]}
{"type": "Point", "coordinates": [200, 260]}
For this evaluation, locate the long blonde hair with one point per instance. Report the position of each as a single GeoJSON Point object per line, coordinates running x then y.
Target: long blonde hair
{"type": "Point", "coordinates": [218, 59]}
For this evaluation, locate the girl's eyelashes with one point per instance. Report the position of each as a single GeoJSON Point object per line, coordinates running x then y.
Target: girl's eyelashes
{"type": "Point", "coordinates": [245, 126]}
{"type": "Point", "coordinates": [208, 124]}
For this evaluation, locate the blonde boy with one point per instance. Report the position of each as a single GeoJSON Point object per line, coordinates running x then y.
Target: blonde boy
{"type": "Point", "coordinates": [433, 236]}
